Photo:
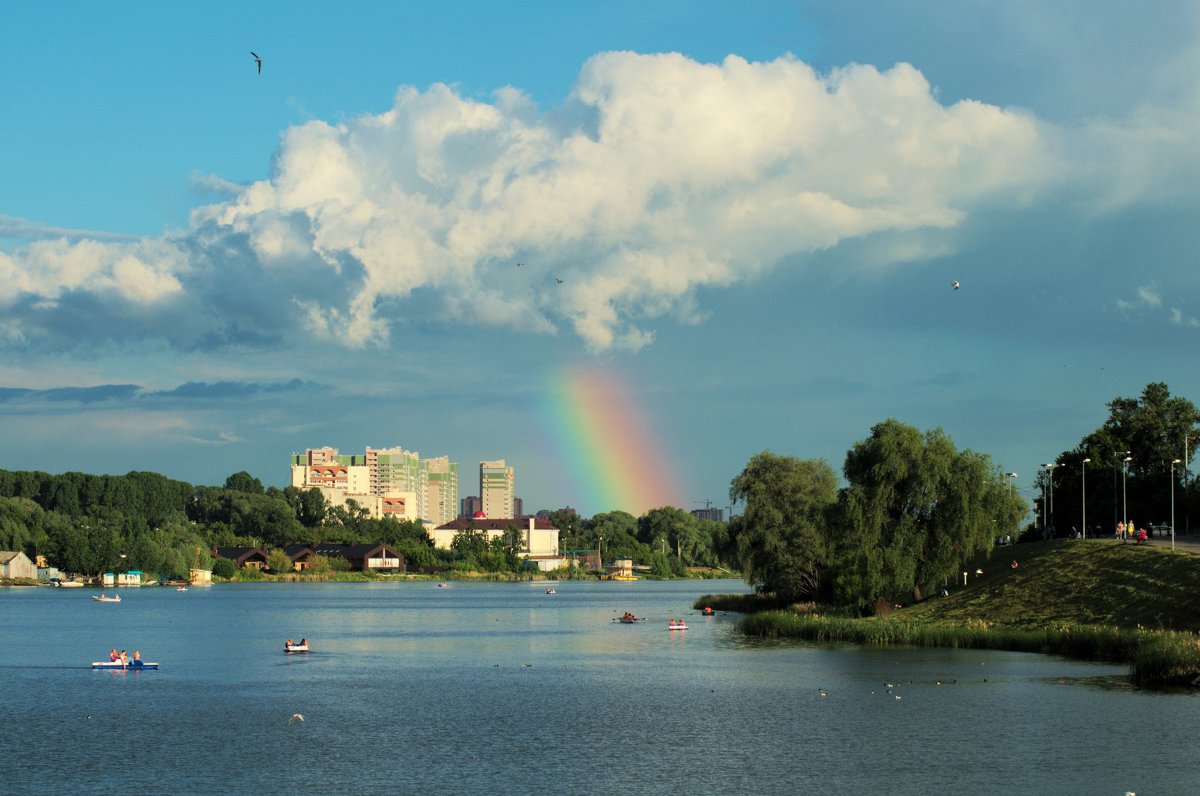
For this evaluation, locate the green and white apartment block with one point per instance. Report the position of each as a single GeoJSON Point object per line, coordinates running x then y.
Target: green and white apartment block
{"type": "Point", "coordinates": [496, 488]}
{"type": "Point", "coordinates": [388, 482]}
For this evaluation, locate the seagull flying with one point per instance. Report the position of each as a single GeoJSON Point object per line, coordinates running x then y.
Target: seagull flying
{"type": "Point", "coordinates": [955, 284]}
{"type": "Point", "coordinates": [559, 281]}
{"type": "Point", "coordinates": [259, 60]}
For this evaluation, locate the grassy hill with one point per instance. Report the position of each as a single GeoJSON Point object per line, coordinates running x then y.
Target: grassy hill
{"type": "Point", "coordinates": [1074, 582]}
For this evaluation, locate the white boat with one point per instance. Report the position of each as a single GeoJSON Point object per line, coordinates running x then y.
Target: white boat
{"type": "Point", "coordinates": [551, 591]}
{"type": "Point", "coordinates": [181, 588]}
{"type": "Point", "coordinates": [116, 598]}
{"type": "Point", "coordinates": [295, 647]}
{"type": "Point", "coordinates": [676, 624]}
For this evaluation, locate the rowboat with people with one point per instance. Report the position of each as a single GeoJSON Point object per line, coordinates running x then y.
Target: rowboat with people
{"type": "Point", "coordinates": [676, 624]}
{"type": "Point", "coordinates": [292, 646]}
{"type": "Point", "coordinates": [134, 665]}
{"type": "Point", "coordinates": [116, 598]}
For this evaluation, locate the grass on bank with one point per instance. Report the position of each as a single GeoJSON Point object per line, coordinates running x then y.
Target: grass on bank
{"type": "Point", "coordinates": [1096, 600]}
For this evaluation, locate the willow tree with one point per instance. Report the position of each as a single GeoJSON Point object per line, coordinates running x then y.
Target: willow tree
{"type": "Point", "coordinates": [914, 511]}
{"type": "Point", "coordinates": [779, 538]}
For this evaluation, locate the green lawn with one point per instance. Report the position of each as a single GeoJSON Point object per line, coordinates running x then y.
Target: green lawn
{"type": "Point", "coordinates": [1074, 582]}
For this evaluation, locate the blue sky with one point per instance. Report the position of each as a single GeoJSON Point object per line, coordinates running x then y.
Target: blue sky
{"type": "Point", "coordinates": [757, 210]}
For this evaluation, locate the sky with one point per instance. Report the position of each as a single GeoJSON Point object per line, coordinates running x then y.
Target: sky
{"type": "Point", "coordinates": [624, 246]}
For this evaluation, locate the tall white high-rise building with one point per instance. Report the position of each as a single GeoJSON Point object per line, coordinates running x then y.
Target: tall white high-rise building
{"type": "Point", "coordinates": [496, 489]}
{"type": "Point", "coordinates": [439, 490]}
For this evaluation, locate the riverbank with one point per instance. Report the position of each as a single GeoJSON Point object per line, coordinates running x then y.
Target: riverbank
{"type": "Point", "coordinates": [1094, 600]}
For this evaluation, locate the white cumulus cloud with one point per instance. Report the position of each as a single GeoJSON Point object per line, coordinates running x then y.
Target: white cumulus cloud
{"type": "Point", "coordinates": [660, 175]}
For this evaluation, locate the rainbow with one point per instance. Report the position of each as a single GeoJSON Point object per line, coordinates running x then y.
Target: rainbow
{"type": "Point", "coordinates": [612, 456]}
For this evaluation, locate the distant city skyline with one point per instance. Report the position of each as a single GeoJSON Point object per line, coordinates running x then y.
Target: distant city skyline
{"type": "Point", "coordinates": [627, 246]}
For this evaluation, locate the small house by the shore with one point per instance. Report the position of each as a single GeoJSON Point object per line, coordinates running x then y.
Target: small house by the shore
{"type": "Point", "coordinates": [300, 555]}
{"type": "Point", "coordinates": [363, 557]}
{"type": "Point", "coordinates": [15, 564]}
{"type": "Point", "coordinates": [131, 578]}
{"type": "Point", "coordinates": [248, 557]}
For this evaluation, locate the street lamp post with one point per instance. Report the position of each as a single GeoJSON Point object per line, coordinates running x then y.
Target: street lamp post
{"type": "Point", "coordinates": [1173, 463]}
{"type": "Point", "coordinates": [1083, 501]}
{"type": "Point", "coordinates": [1050, 479]}
{"type": "Point", "coordinates": [1124, 503]}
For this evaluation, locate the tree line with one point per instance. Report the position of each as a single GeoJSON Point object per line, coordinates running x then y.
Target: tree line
{"type": "Point", "coordinates": [913, 510]}
{"type": "Point", "coordinates": [90, 524]}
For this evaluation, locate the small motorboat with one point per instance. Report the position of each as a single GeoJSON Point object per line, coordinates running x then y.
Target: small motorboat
{"type": "Point", "coordinates": [116, 598]}
{"type": "Point", "coordinates": [181, 588]}
{"type": "Point", "coordinates": [119, 666]}
{"type": "Point", "coordinates": [676, 624]}
{"type": "Point", "coordinates": [551, 591]}
{"type": "Point", "coordinates": [301, 647]}
{"type": "Point", "coordinates": [443, 585]}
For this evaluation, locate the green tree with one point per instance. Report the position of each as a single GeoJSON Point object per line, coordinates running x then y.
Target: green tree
{"type": "Point", "coordinates": [914, 511]}
{"type": "Point", "coordinates": [672, 528]}
{"type": "Point", "coordinates": [242, 481]}
{"type": "Point", "coordinates": [1153, 430]}
{"type": "Point", "coordinates": [224, 568]}
{"type": "Point", "coordinates": [278, 561]}
{"type": "Point", "coordinates": [779, 536]}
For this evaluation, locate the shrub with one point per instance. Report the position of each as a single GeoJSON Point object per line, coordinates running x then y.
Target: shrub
{"type": "Point", "coordinates": [224, 568]}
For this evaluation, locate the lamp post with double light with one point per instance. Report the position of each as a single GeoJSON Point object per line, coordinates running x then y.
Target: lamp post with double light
{"type": "Point", "coordinates": [1124, 503]}
{"type": "Point", "coordinates": [1173, 463]}
{"type": "Point", "coordinates": [1050, 510]}
{"type": "Point", "coordinates": [1083, 486]}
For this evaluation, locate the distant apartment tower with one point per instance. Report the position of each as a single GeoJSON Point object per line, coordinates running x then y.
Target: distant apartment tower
{"type": "Point", "coordinates": [471, 505]}
{"type": "Point", "coordinates": [439, 489]}
{"type": "Point", "coordinates": [716, 515]}
{"type": "Point", "coordinates": [496, 489]}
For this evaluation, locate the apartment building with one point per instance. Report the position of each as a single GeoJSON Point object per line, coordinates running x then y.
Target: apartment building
{"type": "Point", "coordinates": [496, 489]}
{"type": "Point", "coordinates": [388, 482]}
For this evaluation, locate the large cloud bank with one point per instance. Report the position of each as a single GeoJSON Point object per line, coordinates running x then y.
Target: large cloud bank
{"type": "Point", "coordinates": [659, 176]}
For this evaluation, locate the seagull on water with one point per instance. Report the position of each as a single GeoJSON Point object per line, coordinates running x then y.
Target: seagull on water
{"type": "Point", "coordinates": [259, 61]}
{"type": "Point", "coordinates": [955, 284]}
{"type": "Point", "coordinates": [295, 718]}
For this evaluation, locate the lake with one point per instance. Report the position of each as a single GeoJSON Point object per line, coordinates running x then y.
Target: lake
{"type": "Point", "coordinates": [500, 688]}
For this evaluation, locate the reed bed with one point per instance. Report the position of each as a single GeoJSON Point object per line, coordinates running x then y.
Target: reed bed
{"type": "Point", "coordinates": [1157, 657]}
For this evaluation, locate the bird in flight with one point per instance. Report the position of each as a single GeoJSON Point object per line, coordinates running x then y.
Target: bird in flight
{"type": "Point", "coordinates": [258, 60]}
{"type": "Point", "coordinates": [557, 280]}
{"type": "Point", "coordinates": [955, 284]}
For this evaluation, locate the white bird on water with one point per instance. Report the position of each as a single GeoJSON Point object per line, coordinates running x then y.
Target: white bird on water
{"type": "Point", "coordinates": [295, 718]}
{"type": "Point", "coordinates": [955, 284]}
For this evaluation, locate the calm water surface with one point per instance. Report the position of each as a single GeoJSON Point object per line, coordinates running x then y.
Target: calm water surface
{"type": "Point", "coordinates": [503, 689]}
